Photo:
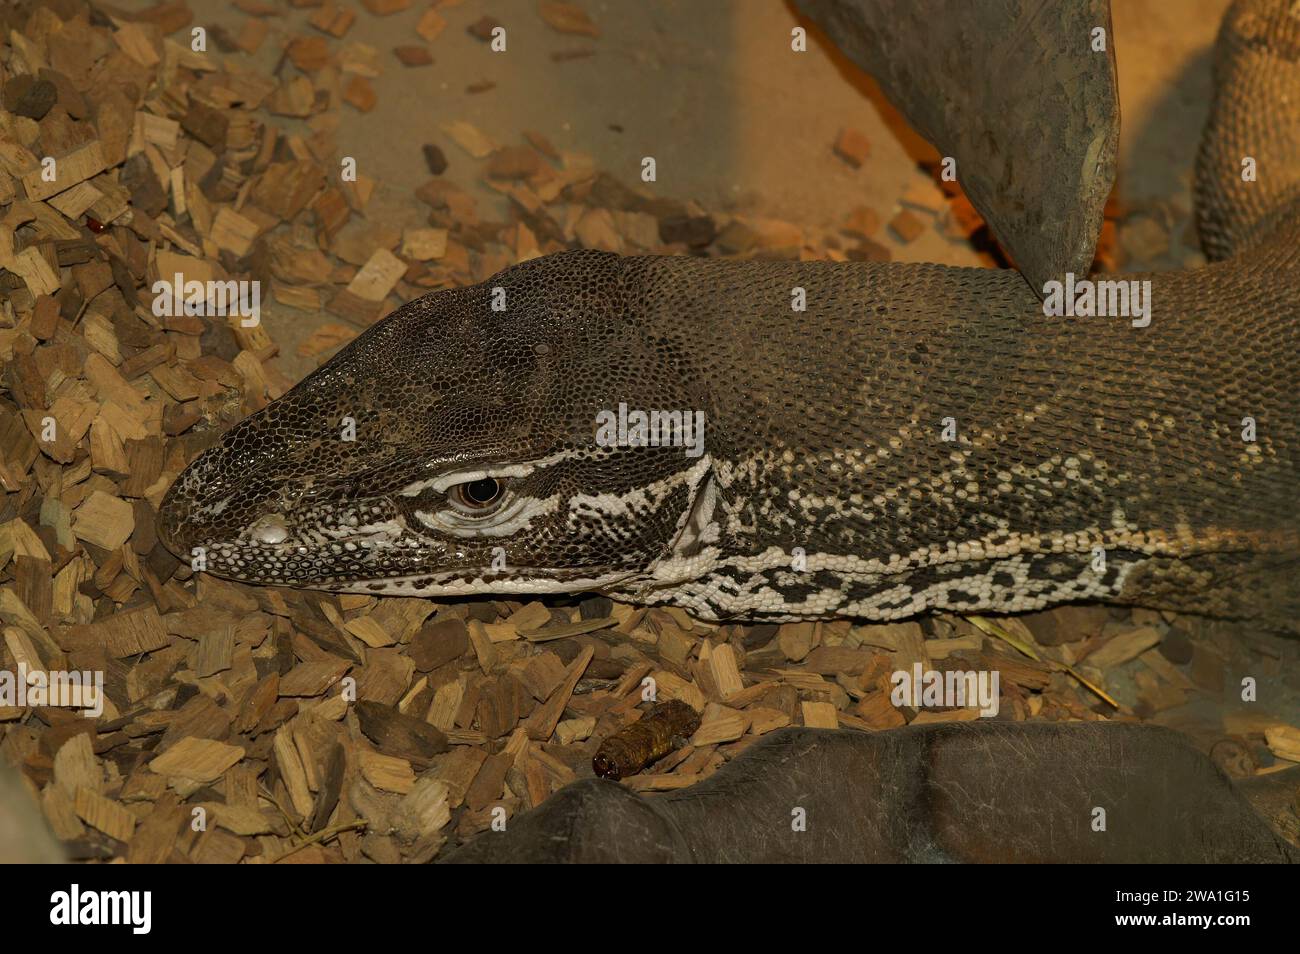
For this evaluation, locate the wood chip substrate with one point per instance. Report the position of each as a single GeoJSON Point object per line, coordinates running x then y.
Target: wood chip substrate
{"type": "Point", "coordinates": [262, 725]}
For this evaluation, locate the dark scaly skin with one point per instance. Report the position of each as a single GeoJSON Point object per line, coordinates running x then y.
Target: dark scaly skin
{"type": "Point", "coordinates": [1257, 114]}
{"type": "Point", "coordinates": [1072, 434]}
{"type": "Point", "coordinates": [976, 792]}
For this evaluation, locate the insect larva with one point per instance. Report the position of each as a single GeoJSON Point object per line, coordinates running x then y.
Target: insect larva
{"type": "Point", "coordinates": [629, 750]}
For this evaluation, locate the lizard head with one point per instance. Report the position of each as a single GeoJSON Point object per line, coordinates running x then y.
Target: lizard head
{"type": "Point", "coordinates": [461, 445]}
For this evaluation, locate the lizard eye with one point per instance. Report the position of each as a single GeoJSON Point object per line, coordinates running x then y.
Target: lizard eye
{"type": "Point", "coordinates": [476, 496]}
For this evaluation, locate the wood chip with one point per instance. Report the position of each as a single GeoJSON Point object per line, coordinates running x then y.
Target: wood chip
{"type": "Point", "coordinates": [104, 520]}
{"type": "Point", "coordinates": [796, 640]}
{"type": "Point", "coordinates": [907, 226]}
{"type": "Point", "coordinates": [104, 814]}
{"type": "Point", "coordinates": [360, 94]}
{"type": "Point", "coordinates": [200, 760]}
{"type": "Point", "coordinates": [378, 276]}
{"type": "Point", "coordinates": [233, 232]}
{"type": "Point", "coordinates": [312, 678]}
{"type": "Point", "coordinates": [1124, 647]}
{"type": "Point", "coordinates": [725, 672]}
{"type": "Point", "coordinates": [431, 24]}
{"type": "Point", "coordinates": [541, 724]}
{"type": "Point", "coordinates": [423, 245]}
{"type": "Point", "coordinates": [567, 18]}
{"type": "Point", "coordinates": [413, 55]}
{"type": "Point", "coordinates": [819, 715]}
{"type": "Point", "coordinates": [69, 169]}
{"type": "Point", "coordinates": [470, 139]}
{"type": "Point", "coordinates": [387, 772]}
{"type": "Point", "coordinates": [853, 147]}
{"type": "Point", "coordinates": [719, 724]}
{"type": "Point", "coordinates": [332, 19]}
{"type": "Point", "coordinates": [75, 766]}
{"type": "Point", "coordinates": [1284, 741]}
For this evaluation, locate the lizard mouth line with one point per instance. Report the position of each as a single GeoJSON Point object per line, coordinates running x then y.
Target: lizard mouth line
{"type": "Point", "coordinates": [470, 583]}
